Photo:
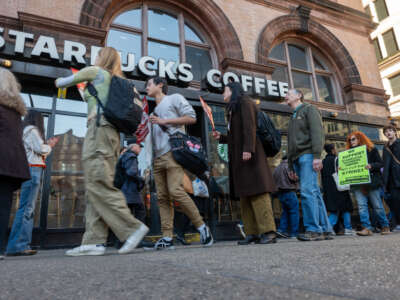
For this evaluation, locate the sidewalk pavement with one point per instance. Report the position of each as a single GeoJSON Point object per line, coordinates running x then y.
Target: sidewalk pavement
{"type": "Point", "coordinates": [344, 268]}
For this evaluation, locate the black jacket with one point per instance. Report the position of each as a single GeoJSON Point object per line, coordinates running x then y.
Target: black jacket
{"type": "Point", "coordinates": [375, 160]}
{"type": "Point", "coordinates": [335, 200]}
{"type": "Point", "coordinates": [391, 169]}
{"type": "Point", "coordinates": [133, 183]}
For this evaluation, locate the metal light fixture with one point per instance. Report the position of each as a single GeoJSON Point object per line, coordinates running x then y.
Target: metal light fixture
{"type": "Point", "coordinates": [5, 63]}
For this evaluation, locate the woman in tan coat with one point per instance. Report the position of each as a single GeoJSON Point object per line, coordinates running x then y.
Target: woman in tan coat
{"type": "Point", "coordinates": [249, 173]}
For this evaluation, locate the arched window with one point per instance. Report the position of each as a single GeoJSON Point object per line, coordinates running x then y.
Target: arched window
{"type": "Point", "coordinates": [160, 34]}
{"type": "Point", "coordinates": [304, 68]}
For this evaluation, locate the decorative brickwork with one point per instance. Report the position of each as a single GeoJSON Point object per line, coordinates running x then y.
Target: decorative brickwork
{"type": "Point", "coordinates": [98, 13]}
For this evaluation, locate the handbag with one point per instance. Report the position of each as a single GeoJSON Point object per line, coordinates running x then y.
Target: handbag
{"type": "Point", "coordinates": [339, 187]}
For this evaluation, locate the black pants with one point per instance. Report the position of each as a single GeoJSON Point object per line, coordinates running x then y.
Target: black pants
{"type": "Point", "coordinates": [6, 196]}
{"type": "Point", "coordinates": [395, 203]}
{"type": "Point", "coordinates": [138, 210]}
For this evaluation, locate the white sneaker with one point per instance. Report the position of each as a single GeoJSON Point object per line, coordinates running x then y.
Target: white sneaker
{"type": "Point", "coordinates": [206, 237]}
{"type": "Point", "coordinates": [349, 232]}
{"type": "Point", "coordinates": [87, 250]}
{"type": "Point", "coordinates": [240, 227]}
{"type": "Point", "coordinates": [134, 239]}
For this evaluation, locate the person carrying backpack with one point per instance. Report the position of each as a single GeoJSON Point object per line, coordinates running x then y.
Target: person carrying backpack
{"type": "Point", "coordinates": [249, 173]}
{"type": "Point", "coordinates": [106, 205]}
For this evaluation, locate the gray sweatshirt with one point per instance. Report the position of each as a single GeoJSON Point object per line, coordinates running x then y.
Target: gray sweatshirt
{"type": "Point", "coordinates": [170, 107]}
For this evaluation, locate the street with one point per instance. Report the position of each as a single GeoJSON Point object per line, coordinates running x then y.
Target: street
{"type": "Point", "coordinates": [344, 268]}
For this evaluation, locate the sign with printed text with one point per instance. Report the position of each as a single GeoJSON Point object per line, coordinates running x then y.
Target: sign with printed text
{"type": "Point", "coordinates": [352, 164]}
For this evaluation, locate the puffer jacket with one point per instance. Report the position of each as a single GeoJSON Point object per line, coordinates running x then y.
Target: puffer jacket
{"type": "Point", "coordinates": [36, 149]}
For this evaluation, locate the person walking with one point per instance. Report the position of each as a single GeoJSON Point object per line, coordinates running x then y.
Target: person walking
{"type": "Point", "coordinates": [337, 202]}
{"type": "Point", "coordinates": [14, 169]}
{"type": "Point", "coordinates": [37, 151]}
{"type": "Point", "coordinates": [369, 192]}
{"type": "Point", "coordinates": [250, 177]}
{"type": "Point", "coordinates": [305, 142]}
{"type": "Point", "coordinates": [106, 205]}
{"type": "Point", "coordinates": [289, 221]}
{"type": "Point", "coordinates": [391, 170]}
{"type": "Point", "coordinates": [170, 115]}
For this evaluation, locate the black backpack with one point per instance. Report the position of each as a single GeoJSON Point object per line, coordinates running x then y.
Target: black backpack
{"type": "Point", "coordinates": [120, 109]}
{"type": "Point", "coordinates": [120, 175]}
{"type": "Point", "coordinates": [269, 136]}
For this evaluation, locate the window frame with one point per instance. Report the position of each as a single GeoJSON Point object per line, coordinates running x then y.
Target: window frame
{"type": "Point", "coordinates": [391, 86]}
{"type": "Point", "coordinates": [395, 42]}
{"type": "Point", "coordinates": [376, 10]}
{"type": "Point", "coordinates": [311, 51]}
{"type": "Point", "coordinates": [183, 19]}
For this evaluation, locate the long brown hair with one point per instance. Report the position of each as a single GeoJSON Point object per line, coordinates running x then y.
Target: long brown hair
{"type": "Point", "coordinates": [109, 60]}
{"type": "Point", "coordinates": [10, 92]}
{"type": "Point", "coordinates": [362, 139]}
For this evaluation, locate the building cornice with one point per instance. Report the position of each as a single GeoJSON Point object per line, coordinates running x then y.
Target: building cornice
{"type": "Point", "coordinates": [365, 89]}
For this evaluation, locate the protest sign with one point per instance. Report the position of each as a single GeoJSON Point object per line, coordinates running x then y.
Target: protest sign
{"type": "Point", "coordinates": [352, 164]}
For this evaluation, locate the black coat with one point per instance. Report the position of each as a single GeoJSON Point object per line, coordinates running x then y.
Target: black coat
{"type": "Point", "coordinates": [391, 167]}
{"type": "Point", "coordinates": [375, 160]}
{"type": "Point", "coordinates": [334, 200]}
{"type": "Point", "coordinates": [14, 166]}
{"type": "Point", "coordinates": [133, 183]}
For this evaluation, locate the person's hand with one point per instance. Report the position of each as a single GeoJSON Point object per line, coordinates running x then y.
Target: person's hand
{"type": "Point", "coordinates": [368, 167]}
{"type": "Point", "coordinates": [216, 134]}
{"type": "Point", "coordinates": [293, 176]}
{"type": "Point", "coordinates": [52, 141]}
{"type": "Point", "coordinates": [317, 165]}
{"type": "Point", "coordinates": [246, 156]}
{"type": "Point", "coordinates": [157, 120]}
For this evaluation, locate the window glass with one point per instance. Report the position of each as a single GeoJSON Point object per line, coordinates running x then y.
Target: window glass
{"type": "Point", "coordinates": [200, 60]}
{"type": "Point", "coordinates": [325, 89]}
{"type": "Point", "coordinates": [381, 9]}
{"type": "Point", "coordinates": [191, 35]}
{"type": "Point", "coordinates": [26, 99]}
{"type": "Point", "coordinates": [278, 52]}
{"type": "Point", "coordinates": [303, 82]}
{"type": "Point", "coordinates": [390, 42]}
{"type": "Point", "coordinates": [125, 42]}
{"type": "Point", "coordinates": [367, 10]}
{"type": "Point", "coordinates": [42, 101]}
{"type": "Point", "coordinates": [334, 128]}
{"type": "Point", "coordinates": [378, 51]}
{"type": "Point", "coordinates": [280, 73]}
{"type": "Point", "coordinates": [132, 18]}
{"type": "Point", "coordinates": [318, 63]}
{"type": "Point", "coordinates": [218, 113]}
{"type": "Point", "coordinates": [395, 84]}
{"type": "Point", "coordinates": [163, 26]}
{"type": "Point", "coordinates": [166, 52]}
{"type": "Point", "coordinates": [298, 57]}
{"type": "Point", "coordinates": [71, 105]}
{"type": "Point", "coordinates": [371, 132]}
{"type": "Point", "coordinates": [281, 122]}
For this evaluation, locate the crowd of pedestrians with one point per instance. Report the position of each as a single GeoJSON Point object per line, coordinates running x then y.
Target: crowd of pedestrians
{"type": "Point", "coordinates": [113, 182]}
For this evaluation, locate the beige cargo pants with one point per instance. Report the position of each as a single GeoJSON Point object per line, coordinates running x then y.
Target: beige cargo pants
{"type": "Point", "coordinates": [105, 205]}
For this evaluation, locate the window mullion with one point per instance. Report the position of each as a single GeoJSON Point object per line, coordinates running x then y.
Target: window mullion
{"type": "Point", "coordinates": [314, 77]}
{"type": "Point", "coordinates": [145, 28]}
{"type": "Point", "coordinates": [182, 37]}
{"type": "Point", "coordinates": [289, 65]}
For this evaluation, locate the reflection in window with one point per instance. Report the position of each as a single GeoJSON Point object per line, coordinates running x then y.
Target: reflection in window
{"type": "Point", "coordinates": [42, 101]}
{"type": "Point", "coordinates": [335, 128]}
{"type": "Point", "coordinates": [200, 60]}
{"type": "Point", "coordinates": [163, 26]}
{"type": "Point", "coordinates": [125, 42]}
{"type": "Point", "coordinates": [306, 66]}
{"type": "Point", "coordinates": [190, 35]}
{"type": "Point", "coordinates": [166, 52]}
{"type": "Point", "coordinates": [72, 106]}
{"type": "Point", "coordinates": [131, 18]}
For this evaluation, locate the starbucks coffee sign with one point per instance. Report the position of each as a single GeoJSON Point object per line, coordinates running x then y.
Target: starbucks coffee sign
{"type": "Point", "coordinates": [146, 66]}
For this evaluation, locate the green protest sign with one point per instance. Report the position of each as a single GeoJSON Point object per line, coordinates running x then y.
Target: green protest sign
{"type": "Point", "coordinates": [352, 164]}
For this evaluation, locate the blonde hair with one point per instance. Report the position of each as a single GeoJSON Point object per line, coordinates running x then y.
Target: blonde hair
{"type": "Point", "coordinates": [110, 61]}
{"type": "Point", "coordinates": [10, 92]}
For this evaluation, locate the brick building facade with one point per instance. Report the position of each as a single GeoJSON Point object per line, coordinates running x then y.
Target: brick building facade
{"type": "Point", "coordinates": [321, 47]}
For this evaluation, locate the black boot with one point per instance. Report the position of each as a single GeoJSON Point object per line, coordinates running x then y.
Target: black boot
{"type": "Point", "coordinates": [249, 239]}
{"type": "Point", "coordinates": [267, 238]}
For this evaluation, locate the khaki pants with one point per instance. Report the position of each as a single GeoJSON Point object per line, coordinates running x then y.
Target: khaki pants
{"type": "Point", "coordinates": [105, 205]}
{"type": "Point", "coordinates": [168, 175]}
{"type": "Point", "coordinates": [257, 214]}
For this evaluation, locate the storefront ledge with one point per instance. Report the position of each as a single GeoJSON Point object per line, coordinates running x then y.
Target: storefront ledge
{"type": "Point", "coordinates": [236, 64]}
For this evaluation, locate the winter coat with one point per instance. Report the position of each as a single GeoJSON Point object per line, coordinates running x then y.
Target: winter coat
{"type": "Point", "coordinates": [252, 177]}
{"type": "Point", "coordinates": [334, 200]}
{"type": "Point", "coordinates": [281, 177]}
{"type": "Point", "coordinates": [391, 169]}
{"type": "Point", "coordinates": [375, 160]}
{"type": "Point", "coordinates": [133, 183]}
{"type": "Point", "coordinates": [14, 166]}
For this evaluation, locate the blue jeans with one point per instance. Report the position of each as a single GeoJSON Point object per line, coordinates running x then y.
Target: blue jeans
{"type": "Point", "coordinates": [21, 232]}
{"type": "Point", "coordinates": [375, 199]}
{"type": "Point", "coordinates": [333, 218]}
{"type": "Point", "coordinates": [289, 221]}
{"type": "Point", "coordinates": [315, 217]}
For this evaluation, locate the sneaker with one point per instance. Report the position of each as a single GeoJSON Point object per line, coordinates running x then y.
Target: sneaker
{"type": "Point", "coordinates": [134, 239]}
{"type": "Point", "coordinates": [310, 236]}
{"type": "Point", "coordinates": [164, 243]}
{"type": "Point", "coordinates": [385, 231]}
{"type": "Point", "coordinates": [281, 235]}
{"type": "Point", "coordinates": [87, 250]}
{"type": "Point", "coordinates": [329, 235]}
{"type": "Point", "coordinates": [205, 236]}
{"type": "Point", "coordinates": [240, 227]}
{"type": "Point", "coordinates": [365, 232]}
{"type": "Point", "coordinates": [349, 232]}
{"type": "Point", "coordinates": [27, 252]}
